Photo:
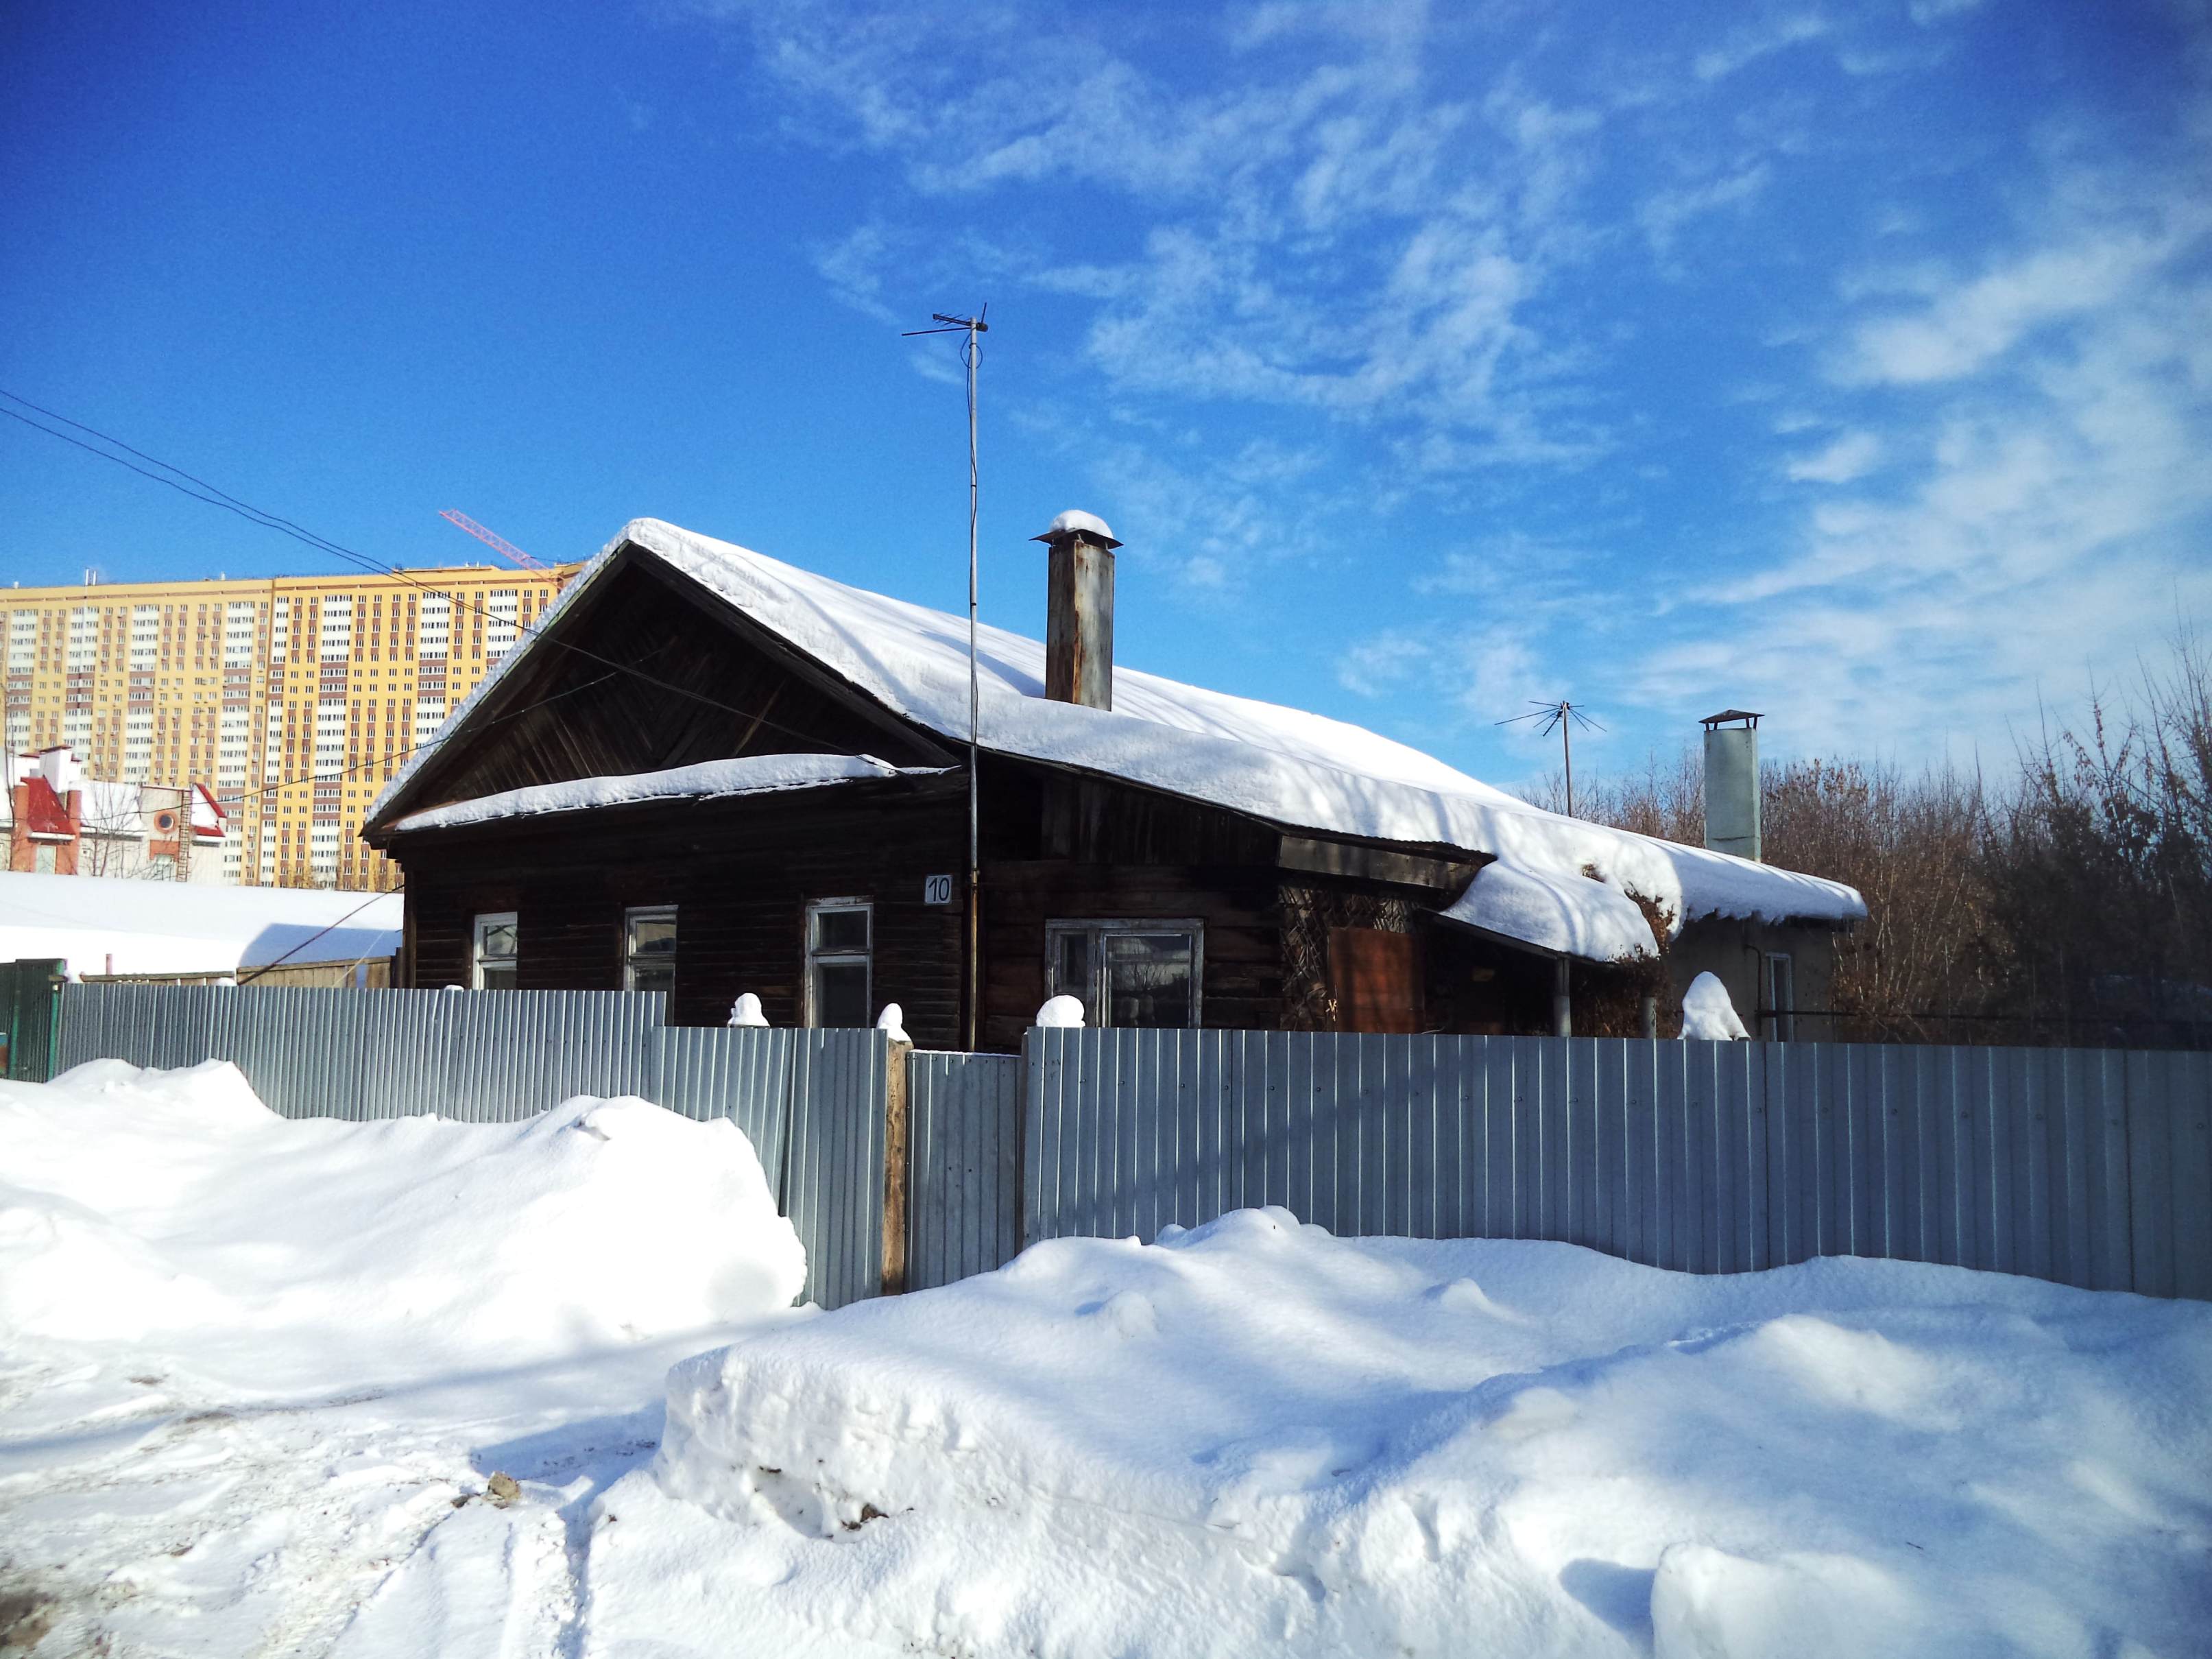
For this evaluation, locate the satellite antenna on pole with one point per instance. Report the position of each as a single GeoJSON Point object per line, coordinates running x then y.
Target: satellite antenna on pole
{"type": "Point", "coordinates": [971, 354]}
{"type": "Point", "coordinates": [1561, 717]}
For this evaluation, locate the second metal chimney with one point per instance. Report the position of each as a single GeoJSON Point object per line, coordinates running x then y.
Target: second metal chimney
{"type": "Point", "coordinates": [1079, 644]}
{"type": "Point", "coordinates": [1732, 782]}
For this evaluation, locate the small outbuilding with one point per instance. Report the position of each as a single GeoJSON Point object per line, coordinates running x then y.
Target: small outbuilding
{"type": "Point", "coordinates": [710, 772]}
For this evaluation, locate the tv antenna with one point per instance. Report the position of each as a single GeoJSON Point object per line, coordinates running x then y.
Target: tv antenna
{"type": "Point", "coordinates": [971, 354]}
{"type": "Point", "coordinates": [1561, 717]}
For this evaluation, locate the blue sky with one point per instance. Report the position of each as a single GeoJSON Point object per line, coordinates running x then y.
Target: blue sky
{"type": "Point", "coordinates": [1851, 363]}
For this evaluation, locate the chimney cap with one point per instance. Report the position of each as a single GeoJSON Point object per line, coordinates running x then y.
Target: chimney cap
{"type": "Point", "coordinates": [1073, 522]}
{"type": "Point", "coordinates": [1728, 714]}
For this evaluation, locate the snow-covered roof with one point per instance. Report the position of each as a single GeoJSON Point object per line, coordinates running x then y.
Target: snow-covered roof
{"type": "Point", "coordinates": [105, 924]}
{"type": "Point", "coordinates": [112, 808]}
{"type": "Point", "coordinates": [1285, 765]}
{"type": "Point", "coordinates": [753, 775]}
{"type": "Point", "coordinates": [208, 818]}
{"type": "Point", "coordinates": [1567, 915]}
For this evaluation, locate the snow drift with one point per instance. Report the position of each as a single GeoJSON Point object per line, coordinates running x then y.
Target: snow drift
{"type": "Point", "coordinates": [146, 1206]}
{"type": "Point", "coordinates": [1256, 1438]}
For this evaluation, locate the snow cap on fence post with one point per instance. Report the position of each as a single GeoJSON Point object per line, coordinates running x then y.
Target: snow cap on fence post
{"type": "Point", "coordinates": [1064, 1012]}
{"type": "Point", "coordinates": [892, 1023]}
{"type": "Point", "coordinates": [1707, 1013]}
{"type": "Point", "coordinates": [746, 1011]}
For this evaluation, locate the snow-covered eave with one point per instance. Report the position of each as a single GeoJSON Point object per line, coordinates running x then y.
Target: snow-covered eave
{"type": "Point", "coordinates": [389, 799]}
{"type": "Point", "coordinates": [1554, 915]}
{"type": "Point", "coordinates": [706, 780]}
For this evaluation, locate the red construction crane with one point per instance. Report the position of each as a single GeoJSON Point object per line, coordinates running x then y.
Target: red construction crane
{"type": "Point", "coordinates": [491, 538]}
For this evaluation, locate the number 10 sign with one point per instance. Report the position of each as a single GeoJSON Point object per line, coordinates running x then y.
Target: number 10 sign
{"type": "Point", "coordinates": [937, 889]}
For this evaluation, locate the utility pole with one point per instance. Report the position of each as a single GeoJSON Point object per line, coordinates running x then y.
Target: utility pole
{"type": "Point", "coordinates": [971, 354]}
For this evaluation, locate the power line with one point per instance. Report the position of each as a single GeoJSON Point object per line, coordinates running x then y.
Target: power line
{"type": "Point", "coordinates": [427, 743]}
{"type": "Point", "coordinates": [322, 544]}
{"type": "Point", "coordinates": [248, 979]}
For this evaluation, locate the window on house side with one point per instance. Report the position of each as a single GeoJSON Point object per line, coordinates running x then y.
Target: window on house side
{"type": "Point", "coordinates": [840, 960]}
{"type": "Point", "coordinates": [1781, 998]}
{"type": "Point", "coordinates": [649, 948]}
{"type": "Point", "coordinates": [1127, 974]}
{"type": "Point", "coordinates": [493, 956]}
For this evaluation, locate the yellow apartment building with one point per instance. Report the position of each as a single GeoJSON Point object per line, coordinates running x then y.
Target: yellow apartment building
{"type": "Point", "coordinates": [293, 698]}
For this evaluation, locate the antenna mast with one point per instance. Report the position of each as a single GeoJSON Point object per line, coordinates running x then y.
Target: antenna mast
{"type": "Point", "coordinates": [971, 354]}
{"type": "Point", "coordinates": [1561, 717]}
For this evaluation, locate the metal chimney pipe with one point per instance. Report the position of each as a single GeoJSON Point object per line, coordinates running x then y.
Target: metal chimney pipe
{"type": "Point", "coordinates": [1079, 652]}
{"type": "Point", "coordinates": [1732, 782]}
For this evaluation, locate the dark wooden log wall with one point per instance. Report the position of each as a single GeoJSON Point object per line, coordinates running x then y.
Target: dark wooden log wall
{"type": "Point", "coordinates": [1058, 847]}
{"type": "Point", "coordinates": [740, 874]}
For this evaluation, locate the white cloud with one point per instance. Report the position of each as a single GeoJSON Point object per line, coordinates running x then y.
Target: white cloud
{"type": "Point", "coordinates": [1965, 325]}
{"type": "Point", "coordinates": [1754, 41]}
{"type": "Point", "coordinates": [1851, 456]}
{"type": "Point", "coordinates": [1382, 662]}
{"type": "Point", "coordinates": [1406, 246]}
{"type": "Point", "coordinates": [1664, 215]}
{"type": "Point", "coordinates": [2048, 509]}
{"type": "Point", "coordinates": [1929, 13]}
{"type": "Point", "coordinates": [854, 266]}
{"type": "Point", "coordinates": [1454, 677]}
{"type": "Point", "coordinates": [1332, 228]}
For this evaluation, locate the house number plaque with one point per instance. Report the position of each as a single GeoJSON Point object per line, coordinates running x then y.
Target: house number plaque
{"type": "Point", "coordinates": [937, 889]}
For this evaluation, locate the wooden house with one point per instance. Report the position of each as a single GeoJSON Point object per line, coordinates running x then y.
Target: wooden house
{"type": "Point", "coordinates": [713, 772]}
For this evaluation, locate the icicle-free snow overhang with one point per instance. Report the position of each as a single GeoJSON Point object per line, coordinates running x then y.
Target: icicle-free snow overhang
{"type": "Point", "coordinates": [722, 780]}
{"type": "Point", "coordinates": [1554, 915]}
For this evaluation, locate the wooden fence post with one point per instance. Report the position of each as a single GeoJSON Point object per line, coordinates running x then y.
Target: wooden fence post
{"type": "Point", "coordinates": [898, 1139]}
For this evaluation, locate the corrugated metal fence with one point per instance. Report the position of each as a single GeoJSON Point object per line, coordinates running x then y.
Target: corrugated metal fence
{"type": "Point", "coordinates": [810, 1102]}
{"type": "Point", "coordinates": [2089, 1167]}
{"type": "Point", "coordinates": [965, 1134]}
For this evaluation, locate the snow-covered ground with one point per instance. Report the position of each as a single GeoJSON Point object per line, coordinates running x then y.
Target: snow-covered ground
{"type": "Point", "coordinates": [256, 1375]}
{"type": "Point", "coordinates": [259, 1377]}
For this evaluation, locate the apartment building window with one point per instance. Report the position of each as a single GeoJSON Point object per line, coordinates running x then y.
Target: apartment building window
{"type": "Point", "coordinates": [1779, 993]}
{"type": "Point", "coordinates": [649, 948]}
{"type": "Point", "coordinates": [840, 961]}
{"type": "Point", "coordinates": [1128, 973]}
{"type": "Point", "coordinates": [493, 960]}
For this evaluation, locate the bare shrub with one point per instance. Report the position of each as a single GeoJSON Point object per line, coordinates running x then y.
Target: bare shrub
{"type": "Point", "coordinates": [2071, 904]}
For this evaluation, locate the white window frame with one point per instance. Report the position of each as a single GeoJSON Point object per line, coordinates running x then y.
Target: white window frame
{"type": "Point", "coordinates": [484, 922]}
{"type": "Point", "coordinates": [816, 958]}
{"type": "Point", "coordinates": [1094, 1000]}
{"type": "Point", "coordinates": [631, 916]}
{"type": "Point", "coordinates": [1777, 995]}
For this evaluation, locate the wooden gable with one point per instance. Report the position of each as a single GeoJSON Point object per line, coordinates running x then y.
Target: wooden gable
{"type": "Point", "coordinates": [644, 672]}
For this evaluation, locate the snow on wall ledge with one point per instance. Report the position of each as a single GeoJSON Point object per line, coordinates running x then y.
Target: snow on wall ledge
{"type": "Point", "coordinates": [1568, 915]}
{"type": "Point", "coordinates": [756, 774]}
{"type": "Point", "coordinates": [1285, 765]}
